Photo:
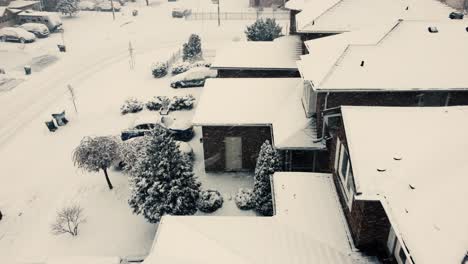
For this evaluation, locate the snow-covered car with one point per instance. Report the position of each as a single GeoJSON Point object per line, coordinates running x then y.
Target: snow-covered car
{"type": "Point", "coordinates": [38, 29]}
{"type": "Point", "coordinates": [16, 34]}
{"type": "Point", "coordinates": [181, 131]}
{"type": "Point", "coordinates": [193, 78]}
{"type": "Point", "coordinates": [181, 12]}
{"type": "Point", "coordinates": [87, 5]}
{"type": "Point", "coordinates": [107, 6]}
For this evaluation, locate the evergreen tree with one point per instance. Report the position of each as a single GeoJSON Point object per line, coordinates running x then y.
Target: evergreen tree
{"type": "Point", "coordinates": [98, 153]}
{"type": "Point", "coordinates": [263, 30]}
{"type": "Point", "coordinates": [267, 163]}
{"type": "Point", "coordinates": [161, 181]}
{"type": "Point", "coordinates": [68, 7]}
{"type": "Point", "coordinates": [192, 50]}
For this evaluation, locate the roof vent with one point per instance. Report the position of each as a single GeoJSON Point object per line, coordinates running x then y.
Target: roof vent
{"type": "Point", "coordinates": [433, 29]}
{"type": "Point", "coordinates": [466, 29]}
{"type": "Point", "coordinates": [381, 169]}
{"type": "Point", "coordinates": [362, 63]}
{"type": "Point", "coordinates": [407, 8]}
{"type": "Point", "coordinates": [397, 157]}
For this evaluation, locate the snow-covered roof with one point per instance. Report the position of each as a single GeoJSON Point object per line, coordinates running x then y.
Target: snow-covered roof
{"type": "Point", "coordinates": [295, 4]}
{"type": "Point", "coordinates": [82, 260]}
{"type": "Point", "coordinates": [331, 16]}
{"type": "Point", "coordinates": [21, 3]}
{"type": "Point", "coordinates": [424, 186]}
{"type": "Point", "coordinates": [2, 10]}
{"type": "Point", "coordinates": [281, 53]}
{"type": "Point", "coordinates": [259, 101]}
{"type": "Point", "coordinates": [288, 237]}
{"type": "Point", "coordinates": [405, 57]}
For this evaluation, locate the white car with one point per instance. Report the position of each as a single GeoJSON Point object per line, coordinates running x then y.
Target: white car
{"type": "Point", "coordinates": [38, 29]}
{"type": "Point", "coordinates": [193, 78]}
{"type": "Point", "coordinates": [107, 6]}
{"type": "Point", "coordinates": [16, 34]}
{"type": "Point", "coordinates": [87, 5]}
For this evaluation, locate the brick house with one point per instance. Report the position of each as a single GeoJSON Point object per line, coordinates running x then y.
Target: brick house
{"type": "Point", "coordinates": [259, 59]}
{"type": "Point", "coordinates": [238, 115]}
{"type": "Point", "coordinates": [403, 190]}
{"type": "Point", "coordinates": [378, 67]}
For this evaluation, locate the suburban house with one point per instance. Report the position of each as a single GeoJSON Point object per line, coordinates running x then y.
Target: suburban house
{"type": "Point", "coordinates": [259, 59]}
{"type": "Point", "coordinates": [294, 235]}
{"type": "Point", "coordinates": [315, 19]}
{"type": "Point", "coordinates": [386, 68]}
{"type": "Point", "coordinates": [400, 173]}
{"type": "Point", "coordinates": [10, 9]}
{"type": "Point", "coordinates": [237, 115]}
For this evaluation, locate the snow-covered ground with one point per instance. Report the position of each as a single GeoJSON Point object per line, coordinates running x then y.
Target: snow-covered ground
{"type": "Point", "coordinates": [37, 175]}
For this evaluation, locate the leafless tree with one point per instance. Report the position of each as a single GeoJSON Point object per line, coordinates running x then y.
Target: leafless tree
{"type": "Point", "coordinates": [68, 220]}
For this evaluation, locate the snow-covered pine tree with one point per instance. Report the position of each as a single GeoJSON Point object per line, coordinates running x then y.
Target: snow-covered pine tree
{"type": "Point", "coordinates": [263, 30]}
{"type": "Point", "coordinates": [267, 163]}
{"type": "Point", "coordinates": [161, 181]}
{"type": "Point", "coordinates": [68, 7]}
{"type": "Point", "coordinates": [192, 50]}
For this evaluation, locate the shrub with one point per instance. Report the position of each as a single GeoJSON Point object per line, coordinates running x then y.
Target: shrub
{"type": "Point", "coordinates": [157, 103]}
{"type": "Point", "coordinates": [131, 105]}
{"type": "Point", "coordinates": [192, 50]}
{"type": "Point", "coordinates": [182, 102]}
{"type": "Point", "coordinates": [244, 199]}
{"type": "Point", "coordinates": [201, 64]}
{"type": "Point", "coordinates": [180, 68]}
{"type": "Point", "coordinates": [68, 7]}
{"type": "Point", "coordinates": [159, 69]}
{"type": "Point", "coordinates": [209, 201]}
{"type": "Point", "coordinates": [263, 30]}
{"type": "Point", "coordinates": [68, 220]}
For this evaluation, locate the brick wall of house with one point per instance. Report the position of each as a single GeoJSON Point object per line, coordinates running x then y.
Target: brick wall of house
{"type": "Point", "coordinates": [235, 73]}
{"type": "Point", "coordinates": [367, 220]}
{"type": "Point", "coordinates": [386, 99]}
{"type": "Point", "coordinates": [214, 146]}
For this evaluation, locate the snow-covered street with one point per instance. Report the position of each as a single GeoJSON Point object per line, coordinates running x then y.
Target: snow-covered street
{"type": "Point", "coordinates": [37, 165]}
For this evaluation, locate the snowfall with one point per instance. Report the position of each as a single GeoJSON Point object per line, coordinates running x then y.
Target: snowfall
{"type": "Point", "coordinates": [37, 175]}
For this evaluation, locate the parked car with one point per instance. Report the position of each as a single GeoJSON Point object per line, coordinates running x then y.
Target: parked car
{"type": "Point", "coordinates": [181, 131]}
{"type": "Point", "coordinates": [181, 12]}
{"type": "Point", "coordinates": [106, 6]}
{"type": "Point", "coordinates": [50, 19]}
{"type": "Point", "coordinates": [16, 34]}
{"type": "Point", "coordinates": [40, 30]}
{"type": "Point", "coordinates": [87, 5]}
{"type": "Point", "coordinates": [193, 77]}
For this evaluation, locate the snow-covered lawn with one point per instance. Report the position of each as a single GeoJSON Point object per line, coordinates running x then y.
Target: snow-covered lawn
{"type": "Point", "coordinates": [37, 175]}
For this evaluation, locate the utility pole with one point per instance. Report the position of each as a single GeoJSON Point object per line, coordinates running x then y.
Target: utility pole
{"type": "Point", "coordinates": [72, 96]}
{"type": "Point", "coordinates": [219, 18]}
{"type": "Point", "coordinates": [113, 11]}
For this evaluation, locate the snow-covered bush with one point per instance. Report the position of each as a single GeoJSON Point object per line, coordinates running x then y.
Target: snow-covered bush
{"type": "Point", "coordinates": [192, 50]}
{"type": "Point", "coordinates": [97, 153]}
{"type": "Point", "coordinates": [180, 67]}
{"type": "Point", "coordinates": [201, 64]}
{"type": "Point", "coordinates": [68, 220]}
{"type": "Point", "coordinates": [159, 69]}
{"type": "Point", "coordinates": [182, 102]}
{"type": "Point", "coordinates": [129, 150]}
{"type": "Point", "coordinates": [210, 201]}
{"type": "Point", "coordinates": [267, 163]}
{"type": "Point", "coordinates": [161, 182]}
{"type": "Point", "coordinates": [131, 105]}
{"type": "Point", "coordinates": [244, 199]}
{"type": "Point", "coordinates": [157, 103]}
{"type": "Point", "coordinates": [68, 7]}
{"type": "Point", "coordinates": [263, 30]}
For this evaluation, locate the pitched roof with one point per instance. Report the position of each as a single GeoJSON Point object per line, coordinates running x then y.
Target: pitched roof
{"type": "Point", "coordinates": [281, 53]}
{"type": "Point", "coordinates": [348, 15]}
{"type": "Point", "coordinates": [259, 101]}
{"type": "Point", "coordinates": [21, 3]}
{"type": "Point", "coordinates": [424, 185]}
{"type": "Point", "coordinates": [287, 237]}
{"type": "Point", "coordinates": [407, 57]}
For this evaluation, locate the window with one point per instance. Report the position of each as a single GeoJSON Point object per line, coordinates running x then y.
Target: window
{"type": "Point", "coordinates": [337, 153]}
{"type": "Point", "coordinates": [402, 255]}
{"type": "Point", "coordinates": [420, 100]}
{"type": "Point", "coordinates": [344, 164]}
{"type": "Point", "coordinates": [391, 241]}
{"type": "Point", "coordinates": [343, 168]}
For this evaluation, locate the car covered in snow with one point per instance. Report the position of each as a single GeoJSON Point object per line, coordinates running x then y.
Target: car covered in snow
{"type": "Point", "coordinates": [107, 6]}
{"type": "Point", "coordinates": [194, 77]}
{"type": "Point", "coordinates": [181, 12]}
{"type": "Point", "coordinates": [180, 130]}
{"type": "Point", "coordinates": [16, 34]}
{"type": "Point", "coordinates": [38, 29]}
{"type": "Point", "coordinates": [87, 5]}
{"type": "Point", "coordinates": [50, 19]}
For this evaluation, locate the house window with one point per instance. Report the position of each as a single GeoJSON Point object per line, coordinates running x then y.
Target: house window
{"type": "Point", "coordinates": [402, 255]}
{"type": "Point", "coordinates": [391, 241]}
{"type": "Point", "coordinates": [343, 164]}
{"type": "Point", "coordinates": [337, 153]}
{"type": "Point", "coordinates": [420, 100]}
{"type": "Point", "coordinates": [345, 174]}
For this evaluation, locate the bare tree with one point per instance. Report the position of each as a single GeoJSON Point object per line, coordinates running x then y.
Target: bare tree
{"type": "Point", "coordinates": [97, 153]}
{"type": "Point", "coordinates": [68, 220]}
